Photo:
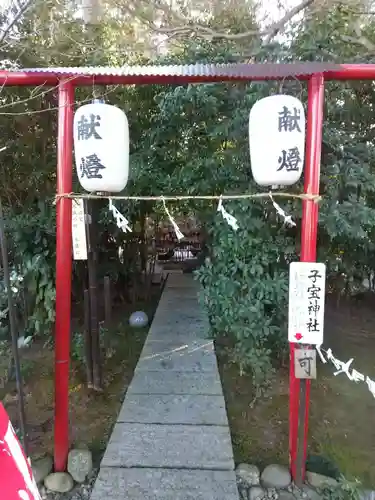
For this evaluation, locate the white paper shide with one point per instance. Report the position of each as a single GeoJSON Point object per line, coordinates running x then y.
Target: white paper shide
{"type": "Point", "coordinates": [277, 140]}
{"type": "Point", "coordinates": [101, 144]}
{"type": "Point", "coordinates": [344, 367]}
{"type": "Point", "coordinates": [79, 230]}
{"type": "Point", "coordinates": [306, 302]}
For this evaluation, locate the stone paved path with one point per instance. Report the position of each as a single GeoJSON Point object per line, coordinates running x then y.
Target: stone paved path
{"type": "Point", "coordinates": [171, 440]}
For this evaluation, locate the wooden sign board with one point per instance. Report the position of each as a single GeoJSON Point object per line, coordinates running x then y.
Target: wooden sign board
{"type": "Point", "coordinates": [79, 230]}
{"type": "Point", "coordinates": [306, 302]}
{"type": "Point", "coordinates": [305, 363]}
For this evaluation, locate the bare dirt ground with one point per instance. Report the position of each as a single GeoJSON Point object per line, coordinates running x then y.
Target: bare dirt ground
{"type": "Point", "coordinates": [341, 414]}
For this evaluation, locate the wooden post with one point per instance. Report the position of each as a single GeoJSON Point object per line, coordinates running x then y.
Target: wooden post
{"type": "Point", "coordinates": [93, 294]}
{"type": "Point", "coordinates": [88, 347]}
{"type": "Point", "coordinates": [107, 301]}
{"type": "Point", "coordinates": [14, 333]}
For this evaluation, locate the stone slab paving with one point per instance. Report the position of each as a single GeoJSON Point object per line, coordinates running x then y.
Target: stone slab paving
{"type": "Point", "coordinates": [190, 301]}
{"type": "Point", "coordinates": [159, 382]}
{"type": "Point", "coordinates": [191, 409]}
{"type": "Point", "coordinates": [165, 484]}
{"type": "Point", "coordinates": [191, 331]}
{"type": "Point", "coordinates": [169, 446]}
{"type": "Point", "coordinates": [171, 440]}
{"type": "Point", "coordinates": [183, 355]}
{"type": "Point", "coordinates": [171, 311]}
{"type": "Point", "coordinates": [181, 322]}
{"type": "Point", "coordinates": [175, 295]}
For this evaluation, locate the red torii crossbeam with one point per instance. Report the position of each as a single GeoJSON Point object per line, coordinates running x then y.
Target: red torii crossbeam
{"type": "Point", "coordinates": [66, 79]}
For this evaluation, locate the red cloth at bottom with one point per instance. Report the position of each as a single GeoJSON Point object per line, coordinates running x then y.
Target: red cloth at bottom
{"type": "Point", "coordinates": [16, 477]}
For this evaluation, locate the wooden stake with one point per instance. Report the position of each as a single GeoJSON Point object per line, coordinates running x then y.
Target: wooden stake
{"type": "Point", "coordinates": [14, 333]}
{"type": "Point", "coordinates": [107, 301]}
{"type": "Point", "coordinates": [93, 293]}
{"type": "Point", "coordinates": [87, 335]}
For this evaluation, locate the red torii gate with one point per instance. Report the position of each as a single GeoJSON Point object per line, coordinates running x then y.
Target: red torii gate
{"type": "Point", "coordinates": [66, 79]}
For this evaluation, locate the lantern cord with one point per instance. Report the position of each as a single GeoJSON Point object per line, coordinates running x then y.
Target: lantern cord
{"type": "Point", "coordinates": [287, 218]}
{"type": "Point", "coordinates": [179, 234]}
{"type": "Point", "coordinates": [232, 221]}
{"type": "Point", "coordinates": [282, 82]}
{"type": "Point", "coordinates": [245, 196]}
{"type": "Point", "coordinates": [93, 88]}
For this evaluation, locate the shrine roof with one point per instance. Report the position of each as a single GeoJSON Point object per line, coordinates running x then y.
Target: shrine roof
{"type": "Point", "coordinates": [181, 74]}
{"type": "Point", "coordinates": [243, 70]}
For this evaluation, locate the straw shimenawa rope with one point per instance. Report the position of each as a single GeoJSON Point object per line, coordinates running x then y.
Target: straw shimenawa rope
{"type": "Point", "coordinates": [245, 196]}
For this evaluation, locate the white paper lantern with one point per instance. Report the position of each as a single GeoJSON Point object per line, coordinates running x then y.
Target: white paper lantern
{"type": "Point", "coordinates": [101, 144]}
{"type": "Point", "coordinates": [277, 140]}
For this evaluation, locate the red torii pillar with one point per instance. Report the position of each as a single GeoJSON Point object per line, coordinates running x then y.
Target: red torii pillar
{"type": "Point", "coordinates": [299, 390]}
{"type": "Point", "coordinates": [63, 272]}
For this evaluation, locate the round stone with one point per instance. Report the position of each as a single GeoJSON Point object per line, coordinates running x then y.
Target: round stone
{"type": "Point", "coordinates": [248, 474]}
{"type": "Point", "coordinates": [286, 495]}
{"type": "Point", "coordinates": [319, 481]}
{"type": "Point", "coordinates": [276, 476]}
{"type": "Point", "coordinates": [59, 482]}
{"type": "Point", "coordinates": [256, 493]}
{"type": "Point", "coordinates": [138, 319]}
{"type": "Point", "coordinates": [41, 468]}
{"type": "Point", "coordinates": [80, 464]}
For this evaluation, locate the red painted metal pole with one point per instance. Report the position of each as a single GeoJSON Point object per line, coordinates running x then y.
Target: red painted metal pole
{"type": "Point", "coordinates": [63, 273]}
{"type": "Point", "coordinates": [308, 254]}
